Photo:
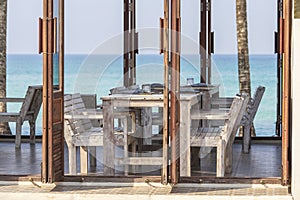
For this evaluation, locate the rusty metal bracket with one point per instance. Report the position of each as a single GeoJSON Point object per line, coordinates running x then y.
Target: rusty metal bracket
{"type": "Point", "coordinates": [40, 36]}
{"type": "Point", "coordinates": [161, 23]}
{"type": "Point", "coordinates": [42, 26]}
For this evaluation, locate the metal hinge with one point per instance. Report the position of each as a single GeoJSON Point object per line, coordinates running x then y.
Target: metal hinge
{"type": "Point", "coordinates": [208, 6]}
{"type": "Point", "coordinates": [44, 22]}
{"type": "Point", "coordinates": [130, 7]}
{"type": "Point", "coordinates": [280, 8]}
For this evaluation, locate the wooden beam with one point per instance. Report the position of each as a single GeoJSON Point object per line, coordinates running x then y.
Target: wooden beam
{"type": "Point", "coordinates": [175, 93]}
{"type": "Point", "coordinates": [165, 174]}
{"type": "Point", "coordinates": [286, 91]}
{"type": "Point", "coordinates": [126, 44]}
{"type": "Point", "coordinates": [203, 75]}
{"type": "Point", "coordinates": [209, 41]}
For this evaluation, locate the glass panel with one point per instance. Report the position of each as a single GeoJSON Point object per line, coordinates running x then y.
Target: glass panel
{"type": "Point", "coordinates": [297, 9]}
{"type": "Point", "coordinates": [56, 42]}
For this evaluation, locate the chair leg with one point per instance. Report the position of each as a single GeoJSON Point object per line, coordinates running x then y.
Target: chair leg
{"type": "Point", "coordinates": [18, 133]}
{"type": "Point", "coordinates": [83, 160]}
{"type": "Point", "coordinates": [133, 154]}
{"type": "Point", "coordinates": [247, 138]}
{"type": "Point", "coordinates": [228, 158]}
{"type": "Point", "coordinates": [221, 159]}
{"type": "Point", "coordinates": [32, 132]}
{"type": "Point", "coordinates": [126, 168]}
{"type": "Point", "coordinates": [93, 157]}
{"type": "Point", "coordinates": [72, 159]}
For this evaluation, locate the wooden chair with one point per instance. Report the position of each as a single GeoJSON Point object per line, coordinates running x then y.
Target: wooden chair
{"type": "Point", "coordinates": [224, 104]}
{"type": "Point", "coordinates": [29, 111]}
{"type": "Point", "coordinates": [222, 137]}
{"type": "Point", "coordinates": [79, 132]}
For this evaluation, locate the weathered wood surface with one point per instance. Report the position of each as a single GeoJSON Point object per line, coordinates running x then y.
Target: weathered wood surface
{"type": "Point", "coordinates": [250, 115]}
{"type": "Point", "coordinates": [185, 150]}
{"type": "Point", "coordinates": [187, 100]}
{"type": "Point", "coordinates": [220, 137]}
{"type": "Point", "coordinates": [223, 104]}
{"type": "Point", "coordinates": [146, 102]}
{"type": "Point", "coordinates": [80, 132]}
{"type": "Point", "coordinates": [29, 111]}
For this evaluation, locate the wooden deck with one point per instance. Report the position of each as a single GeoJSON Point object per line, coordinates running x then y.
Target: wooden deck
{"type": "Point", "coordinates": [264, 161]}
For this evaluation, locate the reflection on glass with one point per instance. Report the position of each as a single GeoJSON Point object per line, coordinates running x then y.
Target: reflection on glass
{"type": "Point", "coordinates": [55, 70]}
{"type": "Point", "coordinates": [56, 50]}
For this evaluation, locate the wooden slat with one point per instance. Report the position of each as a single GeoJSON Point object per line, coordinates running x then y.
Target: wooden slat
{"type": "Point", "coordinates": [214, 114]}
{"type": "Point", "coordinates": [248, 118]}
{"type": "Point", "coordinates": [219, 137]}
{"type": "Point", "coordinates": [16, 100]}
{"type": "Point", "coordinates": [140, 161]}
{"type": "Point", "coordinates": [80, 132]}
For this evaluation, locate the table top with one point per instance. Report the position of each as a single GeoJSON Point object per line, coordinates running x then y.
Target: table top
{"type": "Point", "coordinates": [147, 96]}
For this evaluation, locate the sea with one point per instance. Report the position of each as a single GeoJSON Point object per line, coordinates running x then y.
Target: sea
{"type": "Point", "coordinates": [97, 74]}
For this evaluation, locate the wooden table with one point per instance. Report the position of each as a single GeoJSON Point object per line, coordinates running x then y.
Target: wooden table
{"type": "Point", "coordinates": [187, 101]}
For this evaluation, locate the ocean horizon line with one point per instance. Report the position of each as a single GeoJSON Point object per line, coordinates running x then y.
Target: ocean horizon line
{"type": "Point", "coordinates": [86, 54]}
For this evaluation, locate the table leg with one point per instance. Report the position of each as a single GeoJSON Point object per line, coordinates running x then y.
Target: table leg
{"type": "Point", "coordinates": [108, 136]}
{"type": "Point", "coordinates": [147, 125]}
{"type": "Point", "coordinates": [185, 150]}
{"type": "Point", "coordinates": [83, 160]}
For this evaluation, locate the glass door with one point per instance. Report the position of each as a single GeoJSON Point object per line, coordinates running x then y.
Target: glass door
{"type": "Point", "coordinates": [52, 48]}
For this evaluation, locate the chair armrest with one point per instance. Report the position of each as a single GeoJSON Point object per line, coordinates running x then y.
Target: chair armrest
{"type": "Point", "coordinates": [223, 102]}
{"type": "Point", "coordinates": [210, 115]}
{"type": "Point", "coordinates": [85, 114]}
{"type": "Point", "coordinates": [12, 100]}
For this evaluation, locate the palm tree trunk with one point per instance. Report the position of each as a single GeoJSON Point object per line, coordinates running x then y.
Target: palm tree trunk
{"type": "Point", "coordinates": [243, 51]}
{"type": "Point", "coordinates": [4, 127]}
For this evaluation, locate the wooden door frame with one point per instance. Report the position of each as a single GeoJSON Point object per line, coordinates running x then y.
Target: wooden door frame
{"type": "Point", "coordinates": [286, 90]}
{"type": "Point", "coordinates": [48, 172]}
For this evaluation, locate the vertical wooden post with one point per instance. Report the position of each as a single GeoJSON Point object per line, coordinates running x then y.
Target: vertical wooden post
{"type": "Point", "coordinates": [108, 150]}
{"type": "Point", "coordinates": [126, 44]}
{"type": "Point", "coordinates": [278, 50]}
{"type": "Point", "coordinates": [286, 90]}
{"type": "Point", "coordinates": [133, 45]}
{"type": "Point", "coordinates": [177, 137]}
{"type": "Point", "coordinates": [50, 90]}
{"type": "Point", "coordinates": [165, 175]}
{"type": "Point", "coordinates": [130, 43]}
{"type": "Point", "coordinates": [209, 41]}
{"type": "Point", "coordinates": [203, 75]}
{"type": "Point", "coordinates": [52, 144]}
{"type": "Point", "coordinates": [44, 170]}
{"type": "Point", "coordinates": [175, 93]}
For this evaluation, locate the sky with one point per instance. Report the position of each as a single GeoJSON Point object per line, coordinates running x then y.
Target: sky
{"type": "Point", "coordinates": [90, 23]}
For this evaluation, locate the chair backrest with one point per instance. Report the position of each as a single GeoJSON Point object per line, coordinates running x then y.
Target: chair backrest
{"type": "Point", "coordinates": [73, 103]}
{"type": "Point", "coordinates": [254, 104]}
{"type": "Point", "coordinates": [32, 103]}
{"type": "Point", "coordinates": [236, 113]}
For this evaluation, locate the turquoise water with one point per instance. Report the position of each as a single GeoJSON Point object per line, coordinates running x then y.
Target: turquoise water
{"type": "Point", "coordinates": [98, 74]}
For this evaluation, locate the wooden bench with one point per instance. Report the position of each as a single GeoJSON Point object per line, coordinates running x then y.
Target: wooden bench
{"type": "Point", "coordinates": [221, 137]}
{"type": "Point", "coordinates": [79, 132]}
{"type": "Point", "coordinates": [29, 111]}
